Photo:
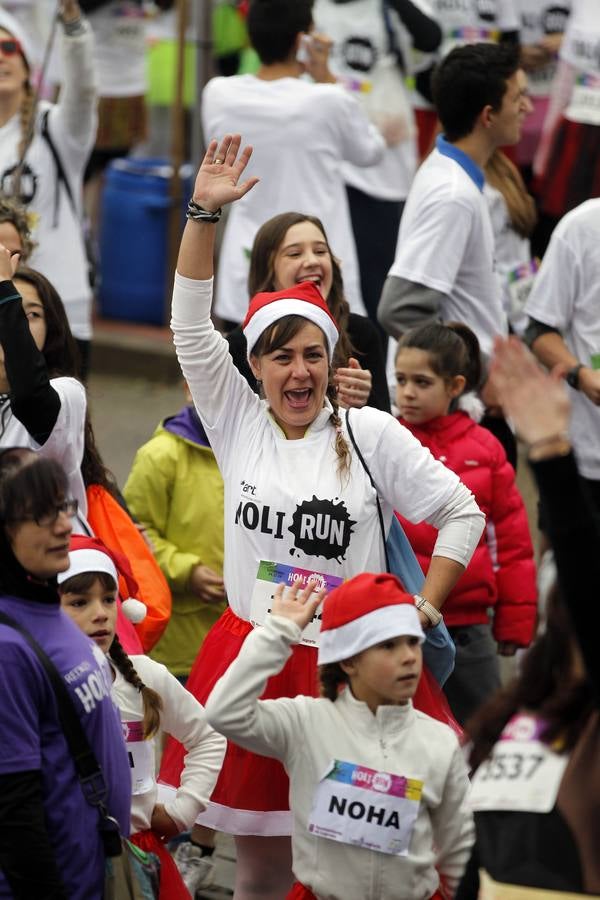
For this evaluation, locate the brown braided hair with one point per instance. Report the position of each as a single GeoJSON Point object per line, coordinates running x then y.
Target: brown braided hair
{"type": "Point", "coordinates": [332, 679]}
{"type": "Point", "coordinates": [80, 584]}
{"type": "Point", "coordinates": [277, 335]}
{"type": "Point", "coordinates": [152, 700]}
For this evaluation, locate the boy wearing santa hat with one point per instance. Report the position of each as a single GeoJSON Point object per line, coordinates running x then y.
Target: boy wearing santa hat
{"type": "Point", "coordinates": [377, 788]}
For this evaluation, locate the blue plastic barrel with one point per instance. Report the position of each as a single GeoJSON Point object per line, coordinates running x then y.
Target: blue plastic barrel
{"type": "Point", "coordinates": [134, 236]}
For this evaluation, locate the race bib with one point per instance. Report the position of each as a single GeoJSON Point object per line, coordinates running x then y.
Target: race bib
{"type": "Point", "coordinates": [585, 101]}
{"type": "Point", "coordinates": [366, 808]}
{"type": "Point", "coordinates": [520, 283]}
{"type": "Point", "coordinates": [141, 757]}
{"type": "Point", "coordinates": [269, 575]}
{"type": "Point", "coordinates": [459, 37]}
{"type": "Point", "coordinates": [523, 774]}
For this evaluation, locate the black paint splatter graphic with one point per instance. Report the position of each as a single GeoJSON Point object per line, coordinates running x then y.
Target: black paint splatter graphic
{"type": "Point", "coordinates": [322, 528]}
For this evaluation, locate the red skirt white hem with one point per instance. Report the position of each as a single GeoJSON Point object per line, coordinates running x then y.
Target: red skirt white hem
{"type": "Point", "coordinates": [251, 796]}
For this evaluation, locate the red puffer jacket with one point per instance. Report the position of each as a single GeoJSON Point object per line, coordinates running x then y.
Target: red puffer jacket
{"type": "Point", "coordinates": [502, 571]}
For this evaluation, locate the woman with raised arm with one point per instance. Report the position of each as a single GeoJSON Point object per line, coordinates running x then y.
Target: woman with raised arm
{"type": "Point", "coordinates": [299, 505]}
{"type": "Point", "coordinates": [43, 151]}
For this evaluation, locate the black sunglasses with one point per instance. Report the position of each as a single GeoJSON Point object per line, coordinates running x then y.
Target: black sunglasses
{"type": "Point", "coordinates": [10, 46]}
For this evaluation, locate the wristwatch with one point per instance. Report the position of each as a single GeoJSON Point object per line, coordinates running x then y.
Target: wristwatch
{"type": "Point", "coordinates": [427, 608]}
{"type": "Point", "coordinates": [572, 376]}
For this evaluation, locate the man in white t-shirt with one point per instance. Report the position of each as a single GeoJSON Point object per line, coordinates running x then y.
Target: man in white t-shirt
{"type": "Point", "coordinates": [564, 329]}
{"type": "Point", "coordinates": [301, 133]}
{"type": "Point", "coordinates": [444, 265]}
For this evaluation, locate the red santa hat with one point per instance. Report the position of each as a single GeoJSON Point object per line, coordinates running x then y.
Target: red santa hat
{"type": "Point", "coordinates": [363, 612]}
{"type": "Point", "coordinates": [303, 299]}
{"type": "Point", "coordinates": [90, 554]}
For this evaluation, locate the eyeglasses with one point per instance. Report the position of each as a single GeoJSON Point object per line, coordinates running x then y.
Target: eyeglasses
{"type": "Point", "coordinates": [68, 507]}
{"type": "Point", "coordinates": [10, 46]}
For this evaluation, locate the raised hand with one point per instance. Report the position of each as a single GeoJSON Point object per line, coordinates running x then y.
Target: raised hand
{"type": "Point", "coordinates": [534, 400]}
{"type": "Point", "coordinates": [8, 263]}
{"type": "Point", "coordinates": [296, 605]}
{"type": "Point", "coordinates": [219, 174]}
{"type": "Point", "coordinates": [353, 384]}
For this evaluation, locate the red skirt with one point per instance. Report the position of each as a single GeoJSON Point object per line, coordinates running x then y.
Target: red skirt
{"type": "Point", "coordinates": [572, 175]}
{"type": "Point", "coordinates": [251, 795]}
{"type": "Point", "coordinates": [171, 885]}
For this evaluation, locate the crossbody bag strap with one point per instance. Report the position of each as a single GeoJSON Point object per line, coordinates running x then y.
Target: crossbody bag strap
{"type": "Point", "coordinates": [61, 175]}
{"type": "Point", "coordinates": [370, 477]}
{"type": "Point", "coordinates": [89, 773]}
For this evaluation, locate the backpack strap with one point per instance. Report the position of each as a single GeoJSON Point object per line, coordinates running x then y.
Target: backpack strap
{"type": "Point", "coordinates": [61, 175]}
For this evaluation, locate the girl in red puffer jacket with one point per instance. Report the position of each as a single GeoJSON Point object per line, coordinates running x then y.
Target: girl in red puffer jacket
{"type": "Point", "coordinates": [492, 609]}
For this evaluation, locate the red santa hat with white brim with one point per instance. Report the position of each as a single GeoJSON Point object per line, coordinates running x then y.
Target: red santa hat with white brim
{"type": "Point", "coordinates": [365, 611]}
{"type": "Point", "coordinates": [303, 299]}
{"type": "Point", "coordinates": [89, 554]}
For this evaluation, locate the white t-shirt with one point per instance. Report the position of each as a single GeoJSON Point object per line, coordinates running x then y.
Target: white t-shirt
{"type": "Point", "coordinates": [581, 49]}
{"type": "Point", "coordinates": [565, 296]}
{"type": "Point", "coordinates": [301, 132]}
{"type": "Point", "coordinates": [513, 260]}
{"type": "Point", "coordinates": [120, 49]}
{"type": "Point", "coordinates": [538, 19]}
{"type": "Point", "coordinates": [60, 254]}
{"type": "Point", "coordinates": [285, 502]}
{"type": "Point", "coordinates": [467, 22]}
{"type": "Point", "coordinates": [358, 59]}
{"type": "Point", "coordinates": [66, 442]}
{"type": "Point", "coordinates": [446, 242]}
{"type": "Point", "coordinates": [184, 718]}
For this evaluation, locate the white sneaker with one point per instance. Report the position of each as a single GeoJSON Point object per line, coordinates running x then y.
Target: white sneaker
{"type": "Point", "coordinates": [197, 871]}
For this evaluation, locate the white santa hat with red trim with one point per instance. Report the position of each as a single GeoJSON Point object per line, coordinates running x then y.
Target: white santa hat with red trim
{"type": "Point", "coordinates": [303, 299]}
{"type": "Point", "coordinates": [89, 554]}
{"type": "Point", "coordinates": [365, 611]}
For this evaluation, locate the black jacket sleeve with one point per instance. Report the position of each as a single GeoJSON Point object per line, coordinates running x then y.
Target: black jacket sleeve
{"type": "Point", "coordinates": [26, 854]}
{"type": "Point", "coordinates": [575, 540]}
{"type": "Point", "coordinates": [425, 32]}
{"type": "Point", "coordinates": [365, 339]}
{"type": "Point", "coordinates": [33, 400]}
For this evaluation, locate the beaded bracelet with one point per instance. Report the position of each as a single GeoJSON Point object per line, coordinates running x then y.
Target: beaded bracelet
{"type": "Point", "coordinates": [199, 214]}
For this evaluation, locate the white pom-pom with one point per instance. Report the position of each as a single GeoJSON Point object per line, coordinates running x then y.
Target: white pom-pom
{"type": "Point", "coordinates": [134, 610]}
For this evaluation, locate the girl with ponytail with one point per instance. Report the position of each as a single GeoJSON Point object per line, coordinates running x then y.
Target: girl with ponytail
{"type": "Point", "coordinates": [438, 371]}
{"type": "Point", "coordinates": [150, 700]}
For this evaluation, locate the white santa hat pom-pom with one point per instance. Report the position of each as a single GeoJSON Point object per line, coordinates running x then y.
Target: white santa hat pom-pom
{"type": "Point", "coordinates": [134, 610]}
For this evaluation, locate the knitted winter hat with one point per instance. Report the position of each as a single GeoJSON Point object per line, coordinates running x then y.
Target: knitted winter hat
{"type": "Point", "coordinates": [364, 611]}
{"type": "Point", "coordinates": [10, 24]}
{"type": "Point", "coordinates": [89, 554]}
{"type": "Point", "coordinates": [302, 299]}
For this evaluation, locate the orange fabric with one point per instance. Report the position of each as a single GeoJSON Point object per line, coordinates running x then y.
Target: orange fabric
{"type": "Point", "coordinates": [110, 522]}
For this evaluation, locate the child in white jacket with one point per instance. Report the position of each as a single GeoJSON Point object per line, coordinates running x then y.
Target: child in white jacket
{"type": "Point", "coordinates": [377, 789]}
{"type": "Point", "coordinates": [149, 700]}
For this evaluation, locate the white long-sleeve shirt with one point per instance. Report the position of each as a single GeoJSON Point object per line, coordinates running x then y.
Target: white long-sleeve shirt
{"type": "Point", "coordinates": [72, 122]}
{"type": "Point", "coordinates": [184, 718]}
{"type": "Point", "coordinates": [307, 734]}
{"type": "Point", "coordinates": [285, 502]}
